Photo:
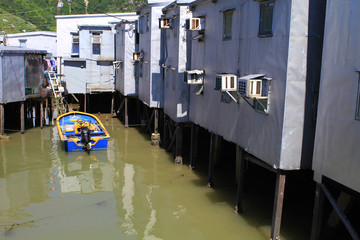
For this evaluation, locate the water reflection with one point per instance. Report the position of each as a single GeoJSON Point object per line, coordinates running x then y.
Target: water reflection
{"type": "Point", "coordinates": [133, 188]}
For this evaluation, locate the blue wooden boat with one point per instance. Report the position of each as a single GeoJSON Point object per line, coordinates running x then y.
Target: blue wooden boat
{"type": "Point", "coordinates": [81, 131]}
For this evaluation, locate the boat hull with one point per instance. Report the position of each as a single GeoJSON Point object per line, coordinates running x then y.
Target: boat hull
{"type": "Point", "coordinates": [70, 131]}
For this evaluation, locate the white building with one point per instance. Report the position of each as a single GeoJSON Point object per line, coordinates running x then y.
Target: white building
{"type": "Point", "coordinates": [42, 40]}
{"type": "Point", "coordinates": [86, 51]}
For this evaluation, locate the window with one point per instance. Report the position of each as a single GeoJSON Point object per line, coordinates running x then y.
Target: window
{"type": "Point", "coordinates": [141, 24]}
{"type": "Point", "coordinates": [75, 45]}
{"type": "Point", "coordinates": [96, 49]}
{"type": "Point", "coordinates": [22, 43]}
{"type": "Point", "coordinates": [147, 22]}
{"type": "Point", "coordinates": [176, 26]}
{"type": "Point", "coordinates": [266, 19]}
{"type": "Point", "coordinates": [357, 116]}
{"type": "Point", "coordinates": [228, 15]}
{"type": "Point", "coordinates": [96, 43]}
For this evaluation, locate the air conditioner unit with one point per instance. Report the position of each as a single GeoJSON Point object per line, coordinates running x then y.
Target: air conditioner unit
{"type": "Point", "coordinates": [226, 82]}
{"type": "Point", "coordinates": [164, 23]}
{"type": "Point", "coordinates": [195, 24]}
{"type": "Point", "coordinates": [194, 77]}
{"type": "Point", "coordinates": [96, 39]}
{"type": "Point", "coordinates": [138, 56]}
{"type": "Point", "coordinates": [250, 87]}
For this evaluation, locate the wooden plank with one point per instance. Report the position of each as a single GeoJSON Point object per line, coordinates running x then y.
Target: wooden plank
{"type": "Point", "coordinates": [278, 205]}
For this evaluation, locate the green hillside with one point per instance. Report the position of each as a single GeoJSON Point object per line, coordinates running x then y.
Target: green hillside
{"type": "Point", "coordinates": [39, 15]}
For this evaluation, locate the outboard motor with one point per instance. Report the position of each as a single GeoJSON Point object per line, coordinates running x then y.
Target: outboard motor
{"type": "Point", "coordinates": [85, 139]}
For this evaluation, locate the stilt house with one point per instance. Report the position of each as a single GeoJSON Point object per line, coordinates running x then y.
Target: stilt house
{"type": "Point", "coordinates": [336, 152]}
{"type": "Point", "coordinates": [253, 57]}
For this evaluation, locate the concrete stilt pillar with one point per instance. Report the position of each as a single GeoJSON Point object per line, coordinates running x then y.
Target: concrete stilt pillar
{"type": "Point", "coordinates": [166, 133]}
{"type": "Point", "coordinates": [179, 145]}
{"type": "Point", "coordinates": [126, 117]}
{"type": "Point", "coordinates": [194, 145]}
{"type": "Point", "coordinates": [22, 117]}
{"type": "Point", "coordinates": [2, 123]}
{"type": "Point", "coordinates": [278, 206]}
{"type": "Point", "coordinates": [33, 115]}
{"type": "Point", "coordinates": [155, 137]}
{"type": "Point", "coordinates": [240, 162]}
{"type": "Point", "coordinates": [212, 158]}
{"type": "Point", "coordinates": [112, 104]}
{"type": "Point", "coordinates": [46, 111]}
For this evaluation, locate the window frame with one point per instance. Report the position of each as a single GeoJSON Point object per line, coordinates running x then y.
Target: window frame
{"type": "Point", "coordinates": [263, 32]}
{"type": "Point", "coordinates": [225, 13]}
{"type": "Point", "coordinates": [22, 43]}
{"type": "Point", "coordinates": [75, 51]}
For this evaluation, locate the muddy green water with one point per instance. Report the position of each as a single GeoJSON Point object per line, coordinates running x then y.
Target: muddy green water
{"type": "Point", "coordinates": [130, 191]}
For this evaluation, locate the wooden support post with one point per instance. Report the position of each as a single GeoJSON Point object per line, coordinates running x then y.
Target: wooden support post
{"type": "Point", "coordinates": [278, 206]}
{"type": "Point", "coordinates": [317, 212]}
{"type": "Point", "coordinates": [194, 145]}
{"type": "Point", "coordinates": [33, 115]}
{"type": "Point", "coordinates": [179, 145]}
{"type": "Point", "coordinates": [41, 115]}
{"type": "Point", "coordinates": [22, 118]}
{"type": "Point", "coordinates": [126, 113]}
{"type": "Point", "coordinates": [212, 157]}
{"type": "Point", "coordinates": [240, 162]}
{"type": "Point", "coordinates": [2, 124]}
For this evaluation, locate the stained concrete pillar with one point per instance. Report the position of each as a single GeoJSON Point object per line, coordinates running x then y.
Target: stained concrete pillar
{"type": "Point", "coordinates": [194, 145]}
{"type": "Point", "coordinates": [126, 116]}
{"type": "Point", "coordinates": [278, 205]}
{"type": "Point", "coordinates": [179, 145]}
{"type": "Point", "coordinates": [240, 162]}
{"type": "Point", "coordinates": [22, 118]}
{"type": "Point", "coordinates": [2, 123]}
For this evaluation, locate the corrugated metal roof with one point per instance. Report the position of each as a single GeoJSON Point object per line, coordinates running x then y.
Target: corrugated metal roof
{"type": "Point", "coordinates": [9, 49]}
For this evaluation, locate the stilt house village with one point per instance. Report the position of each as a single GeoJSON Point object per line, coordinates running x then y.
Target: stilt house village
{"type": "Point", "coordinates": [269, 83]}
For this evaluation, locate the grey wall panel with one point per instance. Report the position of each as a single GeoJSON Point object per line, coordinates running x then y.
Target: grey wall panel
{"type": "Point", "coordinates": [336, 151]}
{"type": "Point", "coordinates": [276, 137]}
{"type": "Point", "coordinates": [13, 77]}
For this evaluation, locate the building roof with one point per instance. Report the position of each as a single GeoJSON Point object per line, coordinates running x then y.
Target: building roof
{"type": "Point", "coordinates": [28, 34]}
{"type": "Point", "coordinates": [14, 50]}
{"type": "Point", "coordinates": [115, 15]}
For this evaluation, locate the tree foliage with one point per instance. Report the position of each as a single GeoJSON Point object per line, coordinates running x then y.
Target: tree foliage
{"type": "Point", "coordinates": [39, 15]}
